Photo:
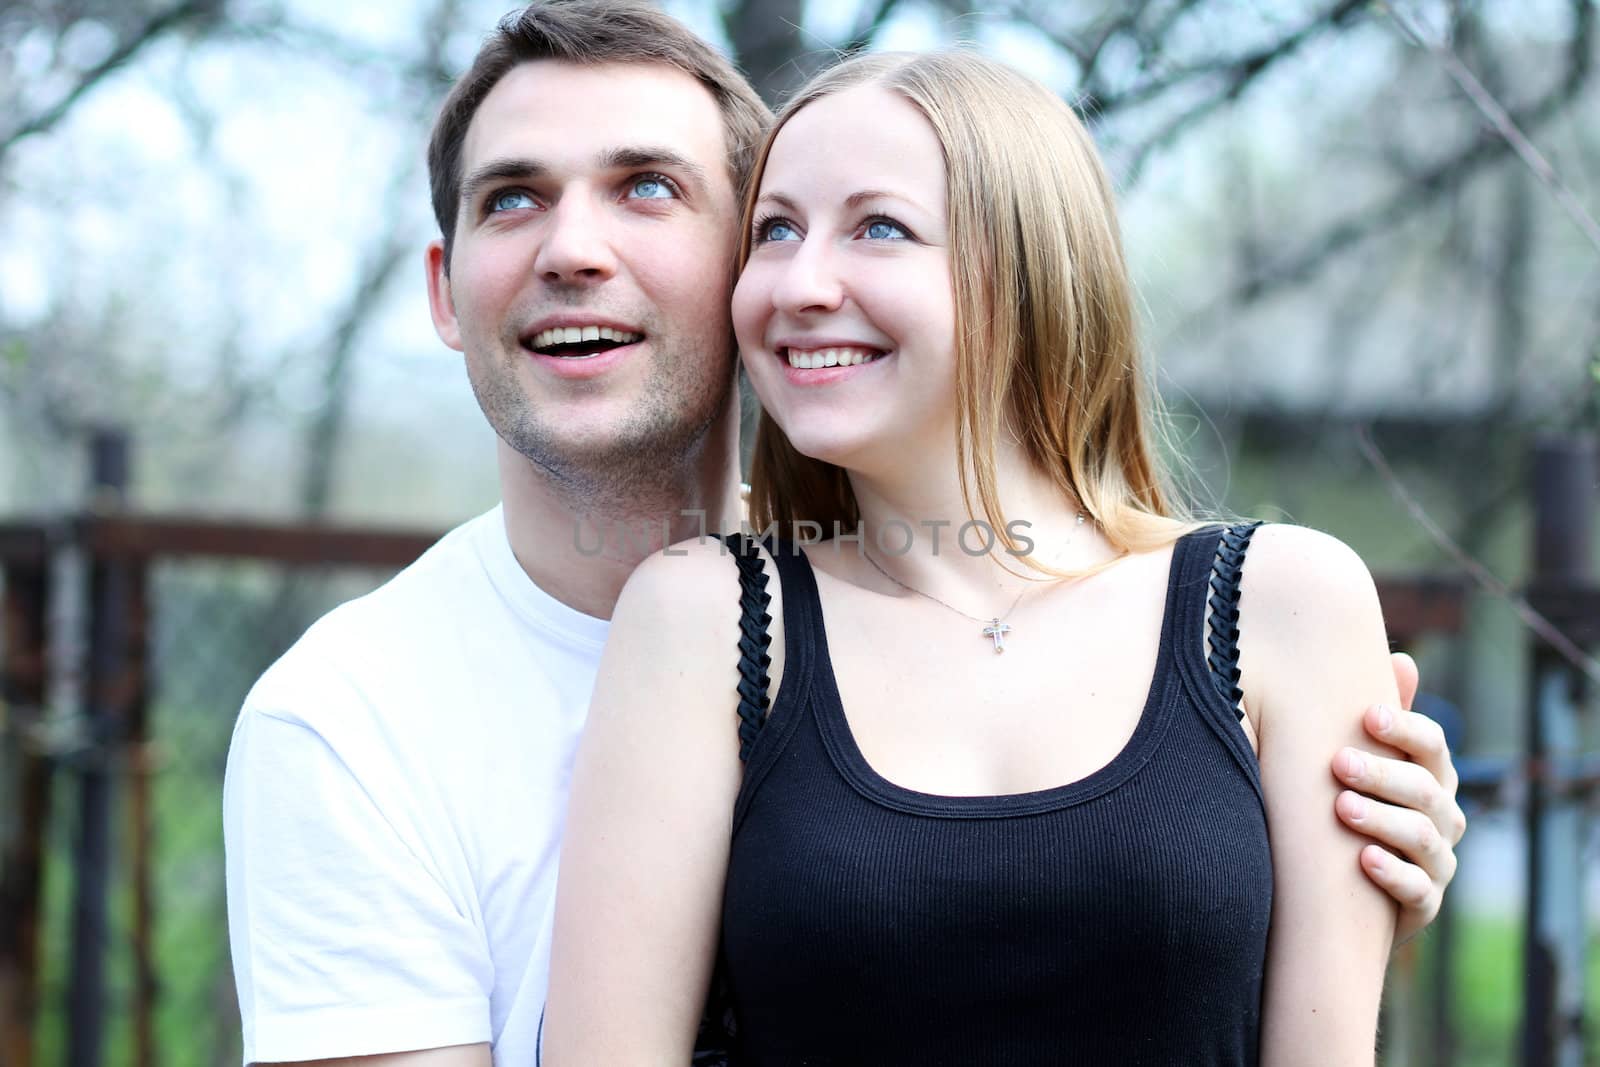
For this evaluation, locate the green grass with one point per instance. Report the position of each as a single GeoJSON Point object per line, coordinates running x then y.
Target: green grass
{"type": "Point", "coordinates": [1486, 996]}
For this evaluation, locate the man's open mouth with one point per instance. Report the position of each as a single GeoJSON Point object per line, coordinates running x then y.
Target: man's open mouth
{"type": "Point", "coordinates": [578, 342]}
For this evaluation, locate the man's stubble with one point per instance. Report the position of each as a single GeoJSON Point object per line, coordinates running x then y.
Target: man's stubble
{"type": "Point", "coordinates": [647, 461]}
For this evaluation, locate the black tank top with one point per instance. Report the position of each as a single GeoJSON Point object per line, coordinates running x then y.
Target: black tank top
{"type": "Point", "coordinates": [1119, 919]}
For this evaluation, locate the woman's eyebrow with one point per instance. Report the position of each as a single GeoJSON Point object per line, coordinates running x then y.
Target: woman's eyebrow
{"type": "Point", "coordinates": [855, 200]}
{"type": "Point", "coordinates": [780, 200]}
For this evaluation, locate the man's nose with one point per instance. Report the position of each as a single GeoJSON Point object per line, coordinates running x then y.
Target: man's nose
{"type": "Point", "coordinates": [810, 281]}
{"type": "Point", "coordinates": [576, 247]}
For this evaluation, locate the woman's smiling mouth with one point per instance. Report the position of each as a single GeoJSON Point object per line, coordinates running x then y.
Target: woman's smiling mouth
{"type": "Point", "coordinates": [830, 356]}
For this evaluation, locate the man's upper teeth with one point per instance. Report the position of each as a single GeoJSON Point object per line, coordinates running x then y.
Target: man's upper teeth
{"type": "Point", "coordinates": [571, 335]}
{"type": "Point", "coordinates": [830, 357]}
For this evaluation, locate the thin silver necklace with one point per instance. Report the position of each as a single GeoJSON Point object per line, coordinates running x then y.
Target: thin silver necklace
{"type": "Point", "coordinates": [995, 628]}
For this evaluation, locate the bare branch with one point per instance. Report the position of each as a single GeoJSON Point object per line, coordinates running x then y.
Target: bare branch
{"type": "Point", "coordinates": [149, 31]}
{"type": "Point", "coordinates": [867, 28]}
{"type": "Point", "coordinates": [383, 262]}
{"type": "Point", "coordinates": [1503, 124]}
{"type": "Point", "coordinates": [1485, 578]}
{"type": "Point", "coordinates": [1088, 51]}
{"type": "Point", "coordinates": [766, 38]}
{"type": "Point", "coordinates": [1235, 72]}
{"type": "Point", "coordinates": [325, 434]}
{"type": "Point", "coordinates": [1417, 193]}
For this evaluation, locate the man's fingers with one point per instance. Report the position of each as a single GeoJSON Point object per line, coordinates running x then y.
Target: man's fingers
{"type": "Point", "coordinates": [1419, 737]}
{"type": "Point", "coordinates": [1405, 676]}
{"type": "Point", "coordinates": [1407, 883]}
{"type": "Point", "coordinates": [1404, 784]}
{"type": "Point", "coordinates": [1393, 780]}
{"type": "Point", "coordinates": [1408, 834]}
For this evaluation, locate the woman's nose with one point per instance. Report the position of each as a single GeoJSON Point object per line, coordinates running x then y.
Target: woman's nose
{"type": "Point", "coordinates": [810, 281]}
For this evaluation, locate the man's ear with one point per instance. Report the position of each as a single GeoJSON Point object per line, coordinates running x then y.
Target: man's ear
{"type": "Point", "coordinates": [440, 303]}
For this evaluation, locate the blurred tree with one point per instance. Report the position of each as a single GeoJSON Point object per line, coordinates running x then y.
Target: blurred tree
{"type": "Point", "coordinates": [53, 54]}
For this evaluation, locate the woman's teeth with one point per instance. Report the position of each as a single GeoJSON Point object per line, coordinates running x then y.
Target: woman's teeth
{"type": "Point", "coordinates": [830, 357]}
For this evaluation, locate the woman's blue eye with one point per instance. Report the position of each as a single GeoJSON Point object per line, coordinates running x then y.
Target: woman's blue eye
{"type": "Point", "coordinates": [506, 200]}
{"type": "Point", "coordinates": [776, 230]}
{"type": "Point", "coordinates": [652, 187]}
{"type": "Point", "coordinates": [883, 230]}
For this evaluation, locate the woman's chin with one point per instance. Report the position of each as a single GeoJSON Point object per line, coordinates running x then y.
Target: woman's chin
{"type": "Point", "coordinates": [853, 452]}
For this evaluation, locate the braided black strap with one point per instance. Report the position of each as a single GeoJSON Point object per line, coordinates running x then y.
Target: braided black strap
{"type": "Point", "coordinates": [1224, 602]}
{"type": "Point", "coordinates": [753, 639]}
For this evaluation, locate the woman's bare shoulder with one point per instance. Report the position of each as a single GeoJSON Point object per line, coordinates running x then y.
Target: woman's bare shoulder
{"type": "Point", "coordinates": [1309, 624]}
{"type": "Point", "coordinates": [1297, 576]}
{"type": "Point", "coordinates": [693, 580]}
{"type": "Point", "coordinates": [679, 614]}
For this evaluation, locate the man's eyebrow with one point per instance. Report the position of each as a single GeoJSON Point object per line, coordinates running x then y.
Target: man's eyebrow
{"type": "Point", "coordinates": [646, 156]}
{"type": "Point", "coordinates": [499, 170]}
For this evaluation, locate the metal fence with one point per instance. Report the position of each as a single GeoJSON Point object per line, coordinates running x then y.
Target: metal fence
{"type": "Point", "coordinates": [128, 642]}
{"type": "Point", "coordinates": [127, 646]}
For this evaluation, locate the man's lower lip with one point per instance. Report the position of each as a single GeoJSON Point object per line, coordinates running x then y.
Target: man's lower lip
{"type": "Point", "coordinates": [593, 363]}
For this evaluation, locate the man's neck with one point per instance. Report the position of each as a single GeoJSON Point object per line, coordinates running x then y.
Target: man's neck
{"type": "Point", "coordinates": [580, 547]}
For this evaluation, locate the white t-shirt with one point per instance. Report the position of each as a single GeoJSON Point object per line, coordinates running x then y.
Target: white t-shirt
{"type": "Point", "coordinates": [395, 796]}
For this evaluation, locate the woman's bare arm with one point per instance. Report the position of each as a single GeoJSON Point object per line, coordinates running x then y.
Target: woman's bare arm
{"type": "Point", "coordinates": [646, 846]}
{"type": "Point", "coordinates": [1312, 649]}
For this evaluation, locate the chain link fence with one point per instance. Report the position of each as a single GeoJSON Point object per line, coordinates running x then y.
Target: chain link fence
{"type": "Point", "coordinates": [128, 648]}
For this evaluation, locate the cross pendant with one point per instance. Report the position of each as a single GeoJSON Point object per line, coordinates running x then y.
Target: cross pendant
{"type": "Point", "coordinates": [997, 630]}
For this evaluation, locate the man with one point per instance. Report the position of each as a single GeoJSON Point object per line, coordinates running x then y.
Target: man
{"type": "Point", "coordinates": [397, 783]}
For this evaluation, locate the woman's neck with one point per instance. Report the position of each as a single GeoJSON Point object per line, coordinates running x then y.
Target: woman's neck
{"type": "Point", "coordinates": [917, 528]}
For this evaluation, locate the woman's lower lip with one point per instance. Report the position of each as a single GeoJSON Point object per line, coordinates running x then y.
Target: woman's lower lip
{"type": "Point", "coordinates": [825, 375]}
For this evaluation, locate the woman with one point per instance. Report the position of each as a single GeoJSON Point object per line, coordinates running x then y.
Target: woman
{"type": "Point", "coordinates": [1001, 810]}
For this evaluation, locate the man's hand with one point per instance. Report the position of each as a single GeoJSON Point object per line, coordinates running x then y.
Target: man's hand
{"type": "Point", "coordinates": [1409, 806]}
{"type": "Point", "coordinates": [454, 1056]}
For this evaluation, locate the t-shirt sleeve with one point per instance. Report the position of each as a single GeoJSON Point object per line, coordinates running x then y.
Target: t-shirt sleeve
{"type": "Point", "coordinates": [346, 938]}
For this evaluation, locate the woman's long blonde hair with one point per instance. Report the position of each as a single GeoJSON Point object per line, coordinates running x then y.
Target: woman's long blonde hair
{"type": "Point", "coordinates": [1045, 334]}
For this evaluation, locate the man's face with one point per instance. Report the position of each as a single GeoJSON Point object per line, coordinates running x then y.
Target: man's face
{"type": "Point", "coordinates": [589, 279]}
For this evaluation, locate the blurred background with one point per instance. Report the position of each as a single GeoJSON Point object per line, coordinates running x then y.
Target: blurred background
{"type": "Point", "coordinates": [1370, 278]}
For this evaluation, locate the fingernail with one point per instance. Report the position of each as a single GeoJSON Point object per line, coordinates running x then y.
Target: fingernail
{"type": "Point", "coordinates": [1355, 808]}
{"type": "Point", "coordinates": [1376, 864]}
{"type": "Point", "coordinates": [1354, 765]}
{"type": "Point", "coordinates": [1385, 718]}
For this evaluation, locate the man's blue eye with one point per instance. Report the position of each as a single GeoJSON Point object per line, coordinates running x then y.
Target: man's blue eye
{"type": "Point", "coordinates": [883, 230]}
{"type": "Point", "coordinates": [510, 200]}
{"type": "Point", "coordinates": [652, 187]}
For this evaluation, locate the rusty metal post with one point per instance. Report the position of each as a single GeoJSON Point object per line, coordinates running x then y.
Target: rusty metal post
{"type": "Point", "coordinates": [1442, 938]}
{"type": "Point", "coordinates": [140, 822]}
{"type": "Point", "coordinates": [1564, 492]}
{"type": "Point", "coordinates": [1441, 1014]}
{"type": "Point", "coordinates": [114, 693]}
{"type": "Point", "coordinates": [22, 694]}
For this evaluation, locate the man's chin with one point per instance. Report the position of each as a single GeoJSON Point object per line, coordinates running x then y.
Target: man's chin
{"type": "Point", "coordinates": [630, 456]}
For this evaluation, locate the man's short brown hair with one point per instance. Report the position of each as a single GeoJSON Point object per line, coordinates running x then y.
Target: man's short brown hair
{"type": "Point", "coordinates": [588, 32]}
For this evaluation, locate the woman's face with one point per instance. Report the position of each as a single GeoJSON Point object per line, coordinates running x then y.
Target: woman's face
{"type": "Point", "coordinates": [844, 312]}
